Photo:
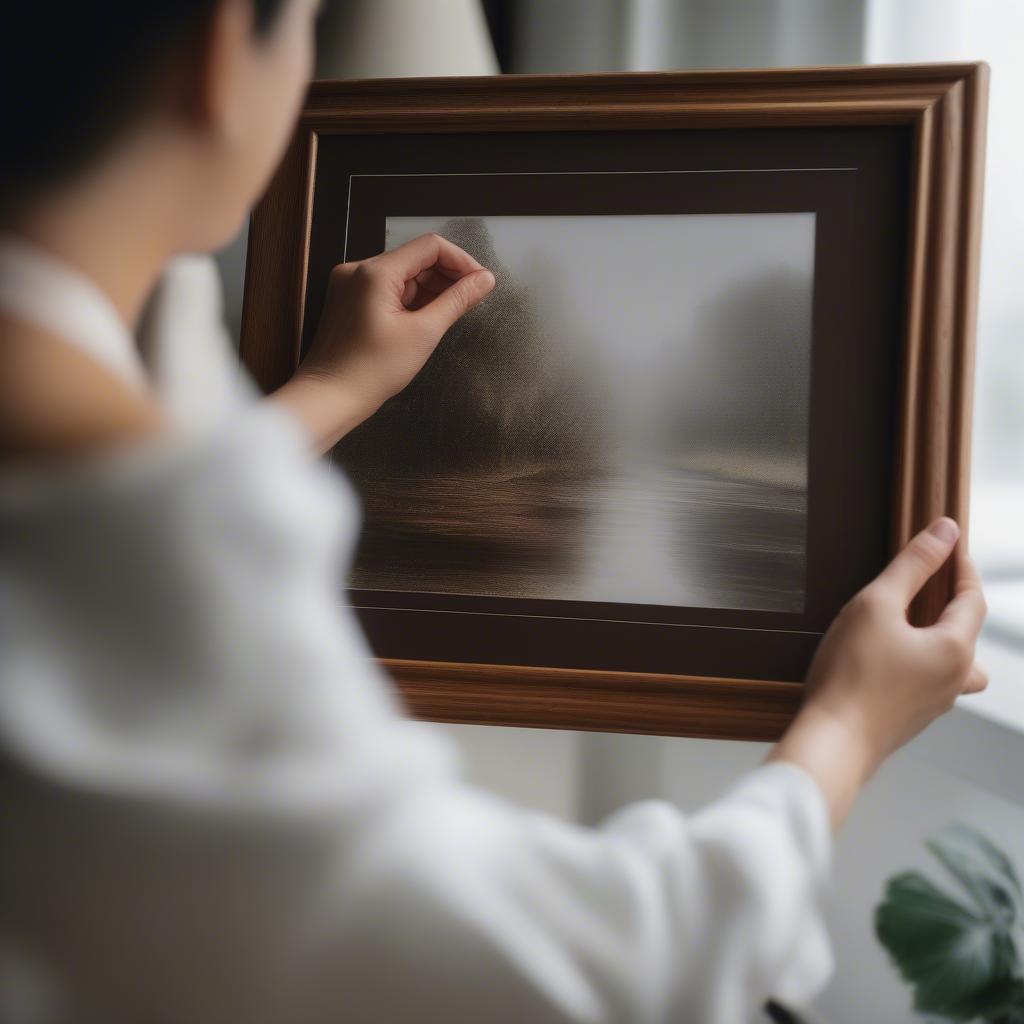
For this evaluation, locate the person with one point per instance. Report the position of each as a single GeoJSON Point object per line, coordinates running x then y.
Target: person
{"type": "Point", "coordinates": [213, 808]}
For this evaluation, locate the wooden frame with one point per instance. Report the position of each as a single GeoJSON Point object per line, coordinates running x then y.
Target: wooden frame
{"type": "Point", "coordinates": [943, 108]}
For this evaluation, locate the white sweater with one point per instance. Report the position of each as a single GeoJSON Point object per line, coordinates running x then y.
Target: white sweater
{"type": "Point", "coordinates": [214, 811]}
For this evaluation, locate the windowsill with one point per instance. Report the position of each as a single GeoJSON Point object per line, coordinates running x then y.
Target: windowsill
{"type": "Point", "coordinates": [982, 739]}
{"type": "Point", "coordinates": [1003, 701]}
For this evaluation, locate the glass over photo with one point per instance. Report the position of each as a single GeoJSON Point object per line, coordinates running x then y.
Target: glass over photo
{"type": "Point", "coordinates": [624, 419]}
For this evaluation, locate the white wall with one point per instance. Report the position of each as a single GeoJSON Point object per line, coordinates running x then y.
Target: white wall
{"type": "Point", "coordinates": [538, 768]}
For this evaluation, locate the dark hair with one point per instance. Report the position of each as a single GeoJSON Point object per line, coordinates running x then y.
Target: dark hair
{"type": "Point", "coordinates": [74, 73]}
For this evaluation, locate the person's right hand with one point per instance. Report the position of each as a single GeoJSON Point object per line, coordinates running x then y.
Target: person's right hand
{"type": "Point", "coordinates": [876, 681]}
{"type": "Point", "coordinates": [382, 318]}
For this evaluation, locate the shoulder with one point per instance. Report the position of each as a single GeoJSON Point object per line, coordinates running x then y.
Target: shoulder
{"type": "Point", "coordinates": [57, 404]}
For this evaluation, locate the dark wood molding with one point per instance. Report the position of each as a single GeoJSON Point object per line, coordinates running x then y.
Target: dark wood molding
{"type": "Point", "coordinates": [275, 269]}
{"type": "Point", "coordinates": [946, 201]}
{"type": "Point", "coordinates": [737, 709]}
{"type": "Point", "coordinates": [944, 107]}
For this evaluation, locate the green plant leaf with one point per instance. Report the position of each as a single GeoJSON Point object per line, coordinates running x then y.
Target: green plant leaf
{"type": "Point", "coordinates": [982, 869]}
{"type": "Point", "coordinates": [961, 963]}
{"type": "Point", "coordinates": [1012, 1009]}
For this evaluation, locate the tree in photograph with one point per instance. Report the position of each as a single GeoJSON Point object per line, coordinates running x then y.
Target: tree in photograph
{"type": "Point", "coordinates": [500, 396]}
{"type": "Point", "coordinates": [740, 408]}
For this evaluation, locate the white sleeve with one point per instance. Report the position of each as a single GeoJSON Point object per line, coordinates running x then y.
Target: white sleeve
{"type": "Point", "coordinates": [213, 806]}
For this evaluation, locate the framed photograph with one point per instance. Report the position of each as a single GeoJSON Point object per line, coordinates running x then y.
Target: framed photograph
{"type": "Point", "coordinates": [724, 373]}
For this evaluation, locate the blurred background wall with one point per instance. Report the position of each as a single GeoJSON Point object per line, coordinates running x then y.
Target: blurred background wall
{"type": "Point", "coordinates": [970, 766]}
{"type": "Point", "coordinates": [651, 35]}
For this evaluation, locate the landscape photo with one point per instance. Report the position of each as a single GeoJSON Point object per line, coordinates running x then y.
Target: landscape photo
{"type": "Point", "coordinates": [624, 419]}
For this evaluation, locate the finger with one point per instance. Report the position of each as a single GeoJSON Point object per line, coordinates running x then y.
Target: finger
{"type": "Point", "coordinates": [908, 572]}
{"type": "Point", "coordinates": [343, 271]}
{"type": "Point", "coordinates": [424, 287]}
{"type": "Point", "coordinates": [457, 299]}
{"type": "Point", "coordinates": [967, 576]}
{"type": "Point", "coordinates": [966, 612]}
{"type": "Point", "coordinates": [425, 252]}
{"type": "Point", "coordinates": [977, 680]}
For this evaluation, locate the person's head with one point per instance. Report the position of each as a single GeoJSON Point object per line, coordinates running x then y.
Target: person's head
{"type": "Point", "coordinates": [199, 96]}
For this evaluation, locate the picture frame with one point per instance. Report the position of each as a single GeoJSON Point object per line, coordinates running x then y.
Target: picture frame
{"type": "Point", "coordinates": [887, 159]}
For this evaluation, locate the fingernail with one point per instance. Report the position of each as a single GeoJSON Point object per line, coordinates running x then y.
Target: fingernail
{"type": "Point", "coordinates": [486, 280]}
{"type": "Point", "coordinates": [945, 529]}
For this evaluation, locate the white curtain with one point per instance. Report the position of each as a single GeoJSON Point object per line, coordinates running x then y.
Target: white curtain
{"type": "Point", "coordinates": [651, 35]}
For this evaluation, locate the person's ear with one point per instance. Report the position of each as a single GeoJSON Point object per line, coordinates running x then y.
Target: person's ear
{"type": "Point", "coordinates": [221, 99]}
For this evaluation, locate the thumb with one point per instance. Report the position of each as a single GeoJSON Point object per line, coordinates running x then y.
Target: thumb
{"type": "Point", "coordinates": [457, 299]}
{"type": "Point", "coordinates": [926, 553]}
